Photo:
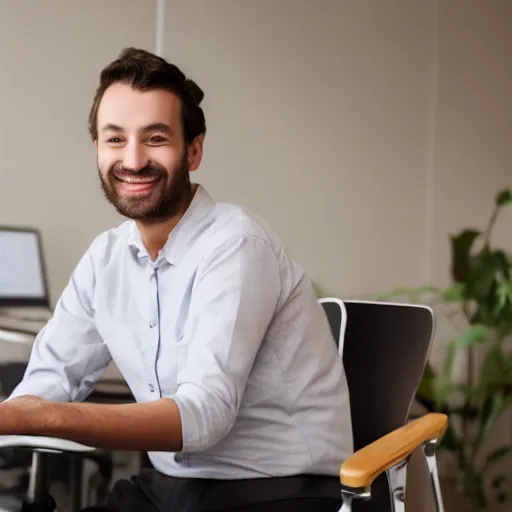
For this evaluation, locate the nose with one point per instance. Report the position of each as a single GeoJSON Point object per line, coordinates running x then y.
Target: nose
{"type": "Point", "coordinates": [135, 157]}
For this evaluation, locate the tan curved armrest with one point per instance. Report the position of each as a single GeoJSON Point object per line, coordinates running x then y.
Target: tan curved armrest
{"type": "Point", "coordinates": [364, 466]}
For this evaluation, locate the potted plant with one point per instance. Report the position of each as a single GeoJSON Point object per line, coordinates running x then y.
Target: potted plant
{"type": "Point", "coordinates": [479, 304]}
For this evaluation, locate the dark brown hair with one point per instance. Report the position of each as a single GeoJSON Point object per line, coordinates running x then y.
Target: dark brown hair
{"type": "Point", "coordinates": [145, 71]}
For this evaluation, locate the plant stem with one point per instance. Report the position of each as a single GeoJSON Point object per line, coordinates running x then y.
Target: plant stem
{"type": "Point", "coordinates": [490, 226]}
{"type": "Point", "coordinates": [466, 421]}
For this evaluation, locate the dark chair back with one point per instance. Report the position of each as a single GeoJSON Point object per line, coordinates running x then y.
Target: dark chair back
{"type": "Point", "coordinates": [385, 350]}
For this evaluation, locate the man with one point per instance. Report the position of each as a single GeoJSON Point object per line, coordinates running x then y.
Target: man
{"type": "Point", "coordinates": [241, 399]}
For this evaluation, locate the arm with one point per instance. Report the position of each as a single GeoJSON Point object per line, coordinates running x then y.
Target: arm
{"type": "Point", "coordinates": [364, 466]}
{"type": "Point", "coordinates": [67, 358]}
{"type": "Point", "coordinates": [68, 355]}
{"type": "Point", "coordinates": [153, 426]}
{"type": "Point", "coordinates": [236, 292]}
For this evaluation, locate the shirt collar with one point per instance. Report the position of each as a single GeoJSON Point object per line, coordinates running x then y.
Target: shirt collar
{"type": "Point", "coordinates": [181, 237]}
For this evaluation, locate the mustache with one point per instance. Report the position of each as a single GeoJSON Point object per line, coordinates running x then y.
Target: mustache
{"type": "Point", "coordinates": [150, 170]}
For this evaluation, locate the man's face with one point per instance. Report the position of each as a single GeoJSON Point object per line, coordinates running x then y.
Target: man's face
{"type": "Point", "coordinates": [142, 158]}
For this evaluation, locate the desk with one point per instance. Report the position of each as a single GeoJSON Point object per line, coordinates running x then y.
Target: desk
{"type": "Point", "coordinates": [111, 388]}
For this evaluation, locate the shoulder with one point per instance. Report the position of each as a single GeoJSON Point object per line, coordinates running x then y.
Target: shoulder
{"type": "Point", "coordinates": [234, 225]}
{"type": "Point", "coordinates": [109, 243]}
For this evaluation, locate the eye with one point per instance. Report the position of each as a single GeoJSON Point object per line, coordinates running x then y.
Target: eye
{"type": "Point", "coordinates": [113, 140]}
{"type": "Point", "coordinates": [156, 139]}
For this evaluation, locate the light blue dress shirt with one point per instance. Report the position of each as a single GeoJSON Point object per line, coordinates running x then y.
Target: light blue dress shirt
{"type": "Point", "coordinates": [225, 323]}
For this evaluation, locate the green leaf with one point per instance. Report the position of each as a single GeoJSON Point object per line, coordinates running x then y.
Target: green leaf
{"type": "Point", "coordinates": [444, 388]}
{"type": "Point", "coordinates": [450, 442]}
{"type": "Point", "coordinates": [507, 402]}
{"type": "Point", "coordinates": [493, 366]}
{"type": "Point", "coordinates": [482, 278]}
{"type": "Point", "coordinates": [491, 409]}
{"type": "Point", "coordinates": [474, 334]}
{"type": "Point", "coordinates": [477, 333]}
{"type": "Point", "coordinates": [496, 455]}
{"type": "Point", "coordinates": [427, 388]}
{"type": "Point", "coordinates": [504, 197]}
{"type": "Point", "coordinates": [461, 249]}
{"type": "Point", "coordinates": [455, 293]}
{"type": "Point", "coordinates": [412, 294]}
{"type": "Point", "coordinates": [451, 351]}
{"type": "Point", "coordinates": [509, 289]}
{"type": "Point", "coordinates": [502, 297]}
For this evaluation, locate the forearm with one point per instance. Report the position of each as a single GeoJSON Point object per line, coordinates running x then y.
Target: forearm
{"type": "Point", "coordinates": [152, 426]}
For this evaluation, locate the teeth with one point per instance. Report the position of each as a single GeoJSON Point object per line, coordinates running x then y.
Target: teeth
{"type": "Point", "coordinates": [137, 182]}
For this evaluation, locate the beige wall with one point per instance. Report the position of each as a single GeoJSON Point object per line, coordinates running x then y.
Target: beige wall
{"type": "Point", "coordinates": [318, 120]}
{"type": "Point", "coordinates": [361, 130]}
{"type": "Point", "coordinates": [51, 53]}
{"type": "Point", "coordinates": [473, 137]}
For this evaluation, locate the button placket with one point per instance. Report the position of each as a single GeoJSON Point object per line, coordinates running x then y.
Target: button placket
{"type": "Point", "coordinates": [153, 335]}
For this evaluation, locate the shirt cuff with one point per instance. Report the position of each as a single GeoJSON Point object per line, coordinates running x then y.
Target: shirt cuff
{"type": "Point", "coordinates": [190, 421]}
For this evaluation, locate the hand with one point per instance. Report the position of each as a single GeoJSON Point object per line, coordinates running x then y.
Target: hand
{"type": "Point", "coordinates": [21, 415]}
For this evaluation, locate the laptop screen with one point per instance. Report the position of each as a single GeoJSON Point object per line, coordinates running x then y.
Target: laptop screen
{"type": "Point", "coordinates": [22, 272]}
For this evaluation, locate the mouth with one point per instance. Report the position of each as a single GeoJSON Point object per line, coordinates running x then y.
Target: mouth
{"type": "Point", "coordinates": [134, 185]}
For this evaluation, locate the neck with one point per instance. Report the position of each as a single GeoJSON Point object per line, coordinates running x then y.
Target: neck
{"type": "Point", "coordinates": [155, 235]}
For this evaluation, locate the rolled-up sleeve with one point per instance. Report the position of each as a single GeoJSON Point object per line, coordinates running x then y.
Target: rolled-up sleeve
{"type": "Point", "coordinates": [235, 295]}
{"type": "Point", "coordinates": [68, 355]}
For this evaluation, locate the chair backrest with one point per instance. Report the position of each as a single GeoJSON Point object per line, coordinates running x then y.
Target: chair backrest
{"type": "Point", "coordinates": [385, 348]}
{"type": "Point", "coordinates": [337, 317]}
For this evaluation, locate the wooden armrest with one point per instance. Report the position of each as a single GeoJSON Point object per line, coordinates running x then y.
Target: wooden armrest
{"type": "Point", "coordinates": [364, 466]}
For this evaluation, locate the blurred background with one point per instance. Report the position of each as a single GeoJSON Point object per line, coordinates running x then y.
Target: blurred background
{"type": "Point", "coordinates": [366, 132]}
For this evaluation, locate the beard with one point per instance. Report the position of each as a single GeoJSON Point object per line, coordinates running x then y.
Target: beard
{"type": "Point", "coordinates": [161, 202]}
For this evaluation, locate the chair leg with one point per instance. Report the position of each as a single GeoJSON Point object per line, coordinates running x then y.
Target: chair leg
{"type": "Point", "coordinates": [38, 498]}
{"type": "Point", "coordinates": [429, 449]}
{"type": "Point", "coordinates": [347, 502]}
{"type": "Point", "coordinates": [397, 480]}
{"type": "Point", "coordinates": [76, 475]}
{"type": "Point", "coordinates": [38, 482]}
{"type": "Point", "coordinates": [348, 495]}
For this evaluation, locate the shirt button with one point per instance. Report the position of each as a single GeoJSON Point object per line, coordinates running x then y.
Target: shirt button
{"type": "Point", "coordinates": [151, 388]}
{"type": "Point", "coordinates": [152, 324]}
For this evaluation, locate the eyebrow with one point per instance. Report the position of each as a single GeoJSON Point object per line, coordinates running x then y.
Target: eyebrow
{"type": "Point", "coordinates": [154, 127]}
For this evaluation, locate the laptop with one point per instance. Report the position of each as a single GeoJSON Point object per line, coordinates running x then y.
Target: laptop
{"type": "Point", "coordinates": [24, 297]}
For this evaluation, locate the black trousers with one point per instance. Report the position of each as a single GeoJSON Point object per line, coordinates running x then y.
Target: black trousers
{"type": "Point", "coordinates": [154, 492]}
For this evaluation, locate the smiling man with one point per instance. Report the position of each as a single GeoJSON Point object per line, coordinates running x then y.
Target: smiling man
{"type": "Point", "coordinates": [241, 399]}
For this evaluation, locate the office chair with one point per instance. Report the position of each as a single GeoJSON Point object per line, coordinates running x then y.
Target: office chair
{"type": "Point", "coordinates": [385, 348]}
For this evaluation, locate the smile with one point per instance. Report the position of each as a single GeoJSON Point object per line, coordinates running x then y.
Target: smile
{"type": "Point", "coordinates": [136, 185]}
{"type": "Point", "coordinates": [138, 180]}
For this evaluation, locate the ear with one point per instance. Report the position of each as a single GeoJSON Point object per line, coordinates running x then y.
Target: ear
{"type": "Point", "coordinates": [95, 144]}
{"type": "Point", "coordinates": [195, 152]}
